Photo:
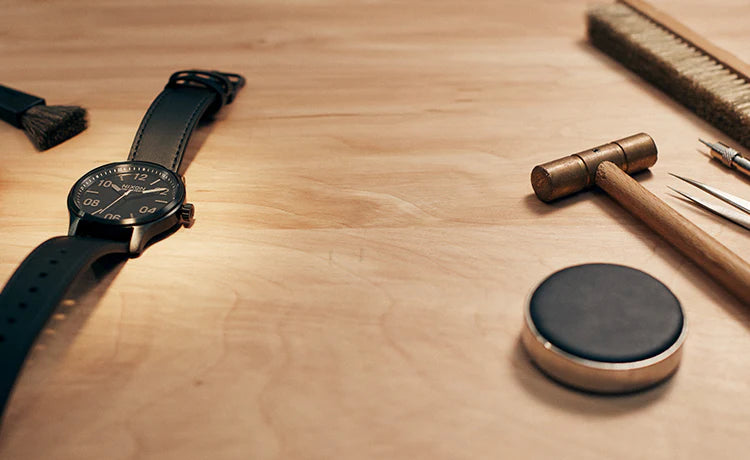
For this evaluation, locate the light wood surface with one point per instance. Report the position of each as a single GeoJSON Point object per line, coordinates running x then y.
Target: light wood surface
{"type": "Point", "coordinates": [366, 235]}
{"type": "Point", "coordinates": [707, 252]}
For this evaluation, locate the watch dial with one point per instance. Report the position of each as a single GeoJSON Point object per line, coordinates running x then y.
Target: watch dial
{"type": "Point", "coordinates": [126, 193]}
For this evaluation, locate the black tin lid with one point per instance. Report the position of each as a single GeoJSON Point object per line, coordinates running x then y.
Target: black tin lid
{"type": "Point", "coordinates": [608, 320]}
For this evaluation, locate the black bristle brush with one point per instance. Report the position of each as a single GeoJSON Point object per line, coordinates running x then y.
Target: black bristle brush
{"type": "Point", "coordinates": [45, 125]}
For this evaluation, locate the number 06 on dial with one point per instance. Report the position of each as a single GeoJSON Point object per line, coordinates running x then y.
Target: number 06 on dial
{"type": "Point", "coordinates": [119, 196]}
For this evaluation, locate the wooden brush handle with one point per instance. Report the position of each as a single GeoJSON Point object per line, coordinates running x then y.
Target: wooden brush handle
{"type": "Point", "coordinates": [713, 257]}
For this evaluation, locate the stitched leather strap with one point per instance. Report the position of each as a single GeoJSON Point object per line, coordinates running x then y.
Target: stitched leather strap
{"type": "Point", "coordinates": [168, 124]}
{"type": "Point", "coordinates": [189, 96]}
{"type": "Point", "coordinates": [33, 292]}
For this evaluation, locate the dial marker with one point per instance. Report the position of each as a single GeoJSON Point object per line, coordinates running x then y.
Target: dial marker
{"type": "Point", "coordinates": [125, 192]}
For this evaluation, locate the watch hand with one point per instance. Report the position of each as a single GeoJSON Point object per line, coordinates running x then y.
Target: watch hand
{"type": "Point", "coordinates": [116, 188]}
{"type": "Point", "coordinates": [154, 190]}
{"type": "Point", "coordinates": [110, 205]}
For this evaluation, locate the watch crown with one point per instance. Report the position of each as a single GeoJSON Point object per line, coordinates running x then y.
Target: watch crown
{"type": "Point", "coordinates": [187, 215]}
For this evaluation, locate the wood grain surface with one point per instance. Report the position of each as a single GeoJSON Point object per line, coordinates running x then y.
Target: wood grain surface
{"type": "Point", "coordinates": [716, 260]}
{"type": "Point", "coordinates": [366, 235]}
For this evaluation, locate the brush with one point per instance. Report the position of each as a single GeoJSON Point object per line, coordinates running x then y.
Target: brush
{"type": "Point", "coordinates": [706, 79]}
{"type": "Point", "coordinates": [45, 125]}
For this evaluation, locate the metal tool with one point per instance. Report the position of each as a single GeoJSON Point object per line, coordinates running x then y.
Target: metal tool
{"type": "Point", "coordinates": [729, 157]}
{"type": "Point", "coordinates": [739, 218]}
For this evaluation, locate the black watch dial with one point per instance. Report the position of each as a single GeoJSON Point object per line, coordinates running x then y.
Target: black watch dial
{"type": "Point", "coordinates": [126, 193]}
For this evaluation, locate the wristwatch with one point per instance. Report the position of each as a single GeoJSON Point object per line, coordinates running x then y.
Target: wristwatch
{"type": "Point", "coordinates": [118, 208]}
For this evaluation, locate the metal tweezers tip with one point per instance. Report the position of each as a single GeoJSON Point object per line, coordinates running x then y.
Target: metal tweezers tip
{"type": "Point", "coordinates": [737, 217]}
{"type": "Point", "coordinates": [735, 201]}
{"type": "Point", "coordinates": [689, 181]}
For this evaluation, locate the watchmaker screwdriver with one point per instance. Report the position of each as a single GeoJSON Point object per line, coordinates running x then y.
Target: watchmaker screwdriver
{"type": "Point", "coordinates": [730, 157]}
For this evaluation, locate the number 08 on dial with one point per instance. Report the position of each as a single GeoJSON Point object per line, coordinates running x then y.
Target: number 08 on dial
{"type": "Point", "coordinates": [126, 193]}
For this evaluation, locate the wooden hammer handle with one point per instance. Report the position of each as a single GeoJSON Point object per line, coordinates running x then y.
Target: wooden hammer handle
{"type": "Point", "coordinates": [717, 260]}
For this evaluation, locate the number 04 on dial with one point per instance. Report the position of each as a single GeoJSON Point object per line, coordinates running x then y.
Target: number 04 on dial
{"type": "Point", "coordinates": [126, 194]}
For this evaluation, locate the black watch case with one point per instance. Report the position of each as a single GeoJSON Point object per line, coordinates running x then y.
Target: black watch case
{"type": "Point", "coordinates": [146, 201]}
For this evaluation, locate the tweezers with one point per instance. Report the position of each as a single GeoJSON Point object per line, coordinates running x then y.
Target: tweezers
{"type": "Point", "coordinates": [739, 218]}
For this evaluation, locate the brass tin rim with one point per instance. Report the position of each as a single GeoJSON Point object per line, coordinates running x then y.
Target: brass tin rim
{"type": "Point", "coordinates": [599, 376]}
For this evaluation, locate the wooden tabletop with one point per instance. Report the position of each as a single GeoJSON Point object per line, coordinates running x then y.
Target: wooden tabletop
{"type": "Point", "coordinates": [366, 235]}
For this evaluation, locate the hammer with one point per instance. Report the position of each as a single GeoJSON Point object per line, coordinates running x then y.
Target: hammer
{"type": "Point", "coordinates": [608, 166]}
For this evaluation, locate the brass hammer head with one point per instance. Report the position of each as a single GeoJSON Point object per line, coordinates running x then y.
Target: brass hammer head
{"type": "Point", "coordinates": [576, 172]}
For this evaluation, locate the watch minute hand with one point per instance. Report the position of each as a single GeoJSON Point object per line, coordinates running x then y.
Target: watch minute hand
{"type": "Point", "coordinates": [154, 190]}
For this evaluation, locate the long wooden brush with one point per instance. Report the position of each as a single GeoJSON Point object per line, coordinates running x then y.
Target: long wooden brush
{"type": "Point", "coordinates": [706, 79]}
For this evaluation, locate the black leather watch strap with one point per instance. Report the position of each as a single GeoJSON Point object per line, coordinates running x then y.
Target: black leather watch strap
{"type": "Point", "coordinates": [39, 283]}
{"type": "Point", "coordinates": [33, 292]}
{"type": "Point", "coordinates": [188, 97]}
{"type": "Point", "coordinates": [168, 124]}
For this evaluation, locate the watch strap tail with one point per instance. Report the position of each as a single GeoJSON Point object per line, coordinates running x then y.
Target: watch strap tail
{"type": "Point", "coordinates": [34, 291]}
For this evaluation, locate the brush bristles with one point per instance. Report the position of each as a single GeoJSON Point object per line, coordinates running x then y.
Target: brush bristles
{"type": "Point", "coordinates": [717, 94]}
{"type": "Point", "coordinates": [47, 126]}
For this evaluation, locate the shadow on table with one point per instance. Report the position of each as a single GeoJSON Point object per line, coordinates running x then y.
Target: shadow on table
{"type": "Point", "coordinates": [199, 136]}
{"type": "Point", "coordinates": [552, 393]}
{"type": "Point", "coordinates": [58, 335]}
{"type": "Point", "coordinates": [538, 207]}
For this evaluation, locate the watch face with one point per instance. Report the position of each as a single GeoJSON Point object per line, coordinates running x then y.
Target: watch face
{"type": "Point", "coordinates": [126, 193]}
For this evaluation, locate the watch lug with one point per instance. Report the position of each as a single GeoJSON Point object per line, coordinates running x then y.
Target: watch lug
{"type": "Point", "coordinates": [138, 240]}
{"type": "Point", "coordinates": [144, 235]}
{"type": "Point", "coordinates": [73, 226]}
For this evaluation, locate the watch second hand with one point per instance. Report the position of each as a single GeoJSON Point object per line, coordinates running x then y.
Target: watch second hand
{"type": "Point", "coordinates": [110, 205]}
